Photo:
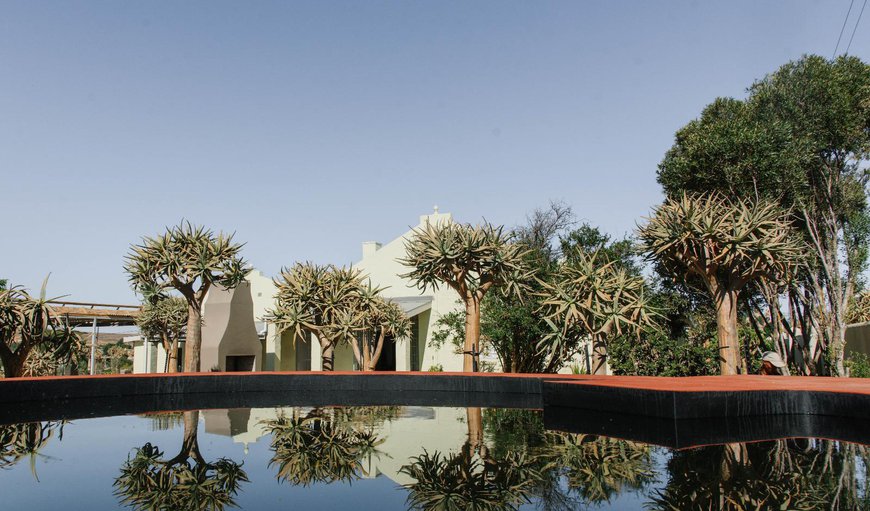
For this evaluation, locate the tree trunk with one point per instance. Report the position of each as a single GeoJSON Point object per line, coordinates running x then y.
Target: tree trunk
{"type": "Point", "coordinates": [172, 357]}
{"type": "Point", "coordinates": [474, 418]}
{"type": "Point", "coordinates": [472, 335]}
{"type": "Point", "coordinates": [193, 342]}
{"type": "Point", "coordinates": [327, 351]}
{"type": "Point", "coordinates": [377, 354]}
{"type": "Point", "coordinates": [726, 327]}
{"type": "Point", "coordinates": [13, 366]}
{"type": "Point", "coordinates": [599, 355]}
{"type": "Point", "coordinates": [367, 354]}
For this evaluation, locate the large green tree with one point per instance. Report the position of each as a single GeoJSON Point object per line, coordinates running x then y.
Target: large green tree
{"type": "Point", "coordinates": [190, 259]}
{"type": "Point", "coordinates": [801, 138]}
{"type": "Point", "coordinates": [722, 245]}
{"type": "Point", "coordinates": [471, 260]}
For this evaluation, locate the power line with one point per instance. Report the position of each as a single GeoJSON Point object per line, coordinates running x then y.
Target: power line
{"type": "Point", "coordinates": [856, 27]}
{"type": "Point", "coordinates": [843, 29]}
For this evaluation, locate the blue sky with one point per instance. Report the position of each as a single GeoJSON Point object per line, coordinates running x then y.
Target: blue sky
{"type": "Point", "coordinates": [309, 127]}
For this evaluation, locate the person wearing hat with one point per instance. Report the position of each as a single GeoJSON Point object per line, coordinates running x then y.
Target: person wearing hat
{"type": "Point", "coordinates": [773, 365]}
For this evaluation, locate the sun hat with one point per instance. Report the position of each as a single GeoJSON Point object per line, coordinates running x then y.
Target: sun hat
{"type": "Point", "coordinates": [774, 358]}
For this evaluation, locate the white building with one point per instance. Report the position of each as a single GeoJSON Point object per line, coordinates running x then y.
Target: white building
{"type": "Point", "coordinates": [227, 332]}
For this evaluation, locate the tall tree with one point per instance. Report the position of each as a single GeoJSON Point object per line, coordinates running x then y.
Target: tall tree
{"type": "Point", "coordinates": [724, 245]}
{"type": "Point", "coordinates": [801, 138]}
{"type": "Point", "coordinates": [326, 301]}
{"type": "Point", "coordinates": [191, 259]}
{"type": "Point", "coordinates": [589, 299]}
{"type": "Point", "coordinates": [28, 324]}
{"type": "Point", "coordinates": [164, 318]}
{"type": "Point", "coordinates": [471, 260]}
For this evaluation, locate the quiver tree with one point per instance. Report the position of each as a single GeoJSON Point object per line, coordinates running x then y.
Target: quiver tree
{"type": "Point", "coordinates": [471, 260]}
{"type": "Point", "coordinates": [190, 259]}
{"type": "Point", "coordinates": [164, 318]}
{"type": "Point", "coordinates": [28, 324]}
{"type": "Point", "coordinates": [722, 245]}
{"type": "Point", "coordinates": [595, 301]}
{"type": "Point", "coordinates": [382, 319]}
{"type": "Point", "coordinates": [326, 301]}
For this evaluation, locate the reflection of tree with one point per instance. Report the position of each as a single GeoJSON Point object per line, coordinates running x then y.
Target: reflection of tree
{"type": "Point", "coordinates": [27, 439]}
{"type": "Point", "coordinates": [185, 482]}
{"type": "Point", "coordinates": [473, 478]}
{"type": "Point", "coordinates": [783, 474]}
{"type": "Point", "coordinates": [599, 468]}
{"type": "Point", "coordinates": [325, 445]}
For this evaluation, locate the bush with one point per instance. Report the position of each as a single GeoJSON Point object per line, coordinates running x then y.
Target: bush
{"type": "Point", "coordinates": [660, 355]}
{"type": "Point", "coordinates": [858, 365]}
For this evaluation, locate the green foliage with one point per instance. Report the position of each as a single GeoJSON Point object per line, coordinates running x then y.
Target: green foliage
{"type": "Point", "coordinates": [657, 354]}
{"type": "Point", "coordinates": [725, 243]}
{"type": "Point", "coordinates": [436, 368]}
{"type": "Point", "coordinates": [588, 299]}
{"type": "Point", "coordinates": [449, 329]}
{"type": "Point", "coordinates": [188, 258]}
{"type": "Point", "coordinates": [469, 259]}
{"type": "Point", "coordinates": [29, 324]}
{"type": "Point", "coordinates": [858, 365]}
{"type": "Point", "coordinates": [163, 318]}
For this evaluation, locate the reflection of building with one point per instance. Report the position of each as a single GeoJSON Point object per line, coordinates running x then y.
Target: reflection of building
{"type": "Point", "coordinates": [417, 428]}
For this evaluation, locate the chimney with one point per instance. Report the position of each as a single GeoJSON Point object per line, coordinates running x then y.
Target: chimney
{"type": "Point", "coordinates": [369, 248]}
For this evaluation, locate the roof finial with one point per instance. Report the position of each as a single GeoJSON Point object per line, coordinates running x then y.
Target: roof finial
{"type": "Point", "coordinates": [435, 207]}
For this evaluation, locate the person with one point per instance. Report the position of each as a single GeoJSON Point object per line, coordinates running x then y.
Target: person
{"type": "Point", "coordinates": [773, 365]}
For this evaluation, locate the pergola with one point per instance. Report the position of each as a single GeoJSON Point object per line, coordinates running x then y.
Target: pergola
{"type": "Point", "coordinates": [82, 314]}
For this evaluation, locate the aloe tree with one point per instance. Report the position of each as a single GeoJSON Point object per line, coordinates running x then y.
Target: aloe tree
{"type": "Point", "coordinates": [191, 259]}
{"type": "Point", "coordinates": [28, 324]}
{"type": "Point", "coordinates": [18, 441]}
{"type": "Point", "coordinates": [471, 260]}
{"type": "Point", "coordinates": [326, 301]}
{"type": "Point", "coordinates": [592, 300]}
{"type": "Point", "coordinates": [722, 245]}
{"type": "Point", "coordinates": [164, 318]}
{"type": "Point", "coordinates": [383, 319]}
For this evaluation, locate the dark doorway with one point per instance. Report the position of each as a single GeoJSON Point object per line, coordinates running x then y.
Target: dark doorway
{"type": "Point", "coordinates": [240, 363]}
{"type": "Point", "coordinates": [387, 362]}
{"type": "Point", "coordinates": [303, 356]}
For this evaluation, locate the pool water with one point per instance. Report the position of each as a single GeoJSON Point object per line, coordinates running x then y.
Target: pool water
{"type": "Point", "coordinates": [403, 458]}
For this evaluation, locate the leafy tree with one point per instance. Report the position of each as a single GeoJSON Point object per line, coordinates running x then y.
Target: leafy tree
{"type": "Point", "coordinates": [165, 318]}
{"type": "Point", "coordinates": [148, 481]}
{"type": "Point", "coordinates": [595, 301]}
{"type": "Point", "coordinates": [471, 260]}
{"type": "Point", "coordinates": [800, 139]}
{"type": "Point", "coordinates": [332, 303]}
{"type": "Point", "coordinates": [723, 245]}
{"type": "Point", "coordinates": [28, 324]}
{"type": "Point", "coordinates": [191, 259]}
{"type": "Point", "coordinates": [382, 319]}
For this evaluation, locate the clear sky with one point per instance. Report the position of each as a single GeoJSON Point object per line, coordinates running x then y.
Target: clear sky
{"type": "Point", "coordinates": [309, 127]}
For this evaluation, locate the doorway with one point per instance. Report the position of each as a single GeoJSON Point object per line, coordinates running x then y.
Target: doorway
{"type": "Point", "coordinates": [387, 362]}
{"type": "Point", "coordinates": [240, 363]}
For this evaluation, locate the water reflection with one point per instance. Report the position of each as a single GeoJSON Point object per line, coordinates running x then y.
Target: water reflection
{"type": "Point", "coordinates": [26, 440]}
{"type": "Point", "coordinates": [326, 445]}
{"type": "Point", "coordinates": [184, 482]}
{"type": "Point", "coordinates": [426, 458]}
{"type": "Point", "coordinates": [782, 474]}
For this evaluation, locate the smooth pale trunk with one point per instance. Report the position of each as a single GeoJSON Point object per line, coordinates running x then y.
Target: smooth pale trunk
{"type": "Point", "coordinates": [474, 419]}
{"type": "Point", "coordinates": [377, 354]}
{"type": "Point", "coordinates": [193, 342]}
{"type": "Point", "coordinates": [472, 334]}
{"type": "Point", "coordinates": [726, 327]}
{"type": "Point", "coordinates": [172, 358]}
